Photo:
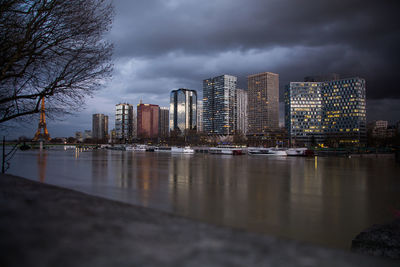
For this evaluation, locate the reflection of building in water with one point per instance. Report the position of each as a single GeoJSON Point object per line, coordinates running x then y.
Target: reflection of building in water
{"type": "Point", "coordinates": [99, 166]}
{"type": "Point", "coordinates": [180, 176]}
{"type": "Point", "coordinates": [42, 162]}
{"type": "Point", "coordinates": [140, 172]}
{"type": "Point", "coordinates": [319, 193]}
{"type": "Point", "coordinates": [204, 188]}
{"type": "Point", "coordinates": [123, 170]}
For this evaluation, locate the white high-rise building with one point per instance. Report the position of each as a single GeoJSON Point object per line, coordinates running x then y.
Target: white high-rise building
{"type": "Point", "coordinates": [200, 116]}
{"type": "Point", "coordinates": [124, 122]}
{"type": "Point", "coordinates": [241, 111]}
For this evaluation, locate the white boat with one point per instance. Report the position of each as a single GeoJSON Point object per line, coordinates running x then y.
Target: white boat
{"type": "Point", "coordinates": [271, 151]}
{"type": "Point", "coordinates": [140, 148]}
{"type": "Point", "coordinates": [188, 150]}
{"type": "Point", "coordinates": [163, 149]}
{"type": "Point", "coordinates": [226, 150]}
{"type": "Point", "coordinates": [129, 148]}
{"type": "Point", "coordinates": [258, 151]}
{"type": "Point", "coordinates": [299, 152]}
{"type": "Point", "coordinates": [150, 149]}
{"type": "Point", "coordinates": [185, 150]}
{"type": "Point", "coordinates": [274, 151]}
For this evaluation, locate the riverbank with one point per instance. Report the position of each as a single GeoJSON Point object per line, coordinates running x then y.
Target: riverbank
{"type": "Point", "coordinates": [44, 225]}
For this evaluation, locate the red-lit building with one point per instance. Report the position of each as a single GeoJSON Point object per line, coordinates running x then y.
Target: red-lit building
{"type": "Point", "coordinates": [147, 120]}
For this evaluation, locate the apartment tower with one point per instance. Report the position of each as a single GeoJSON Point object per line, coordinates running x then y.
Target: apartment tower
{"type": "Point", "coordinates": [219, 111]}
{"type": "Point", "coordinates": [263, 103]}
{"type": "Point", "coordinates": [163, 122]}
{"type": "Point", "coordinates": [241, 103]}
{"type": "Point", "coordinates": [124, 122]}
{"type": "Point", "coordinates": [147, 120]}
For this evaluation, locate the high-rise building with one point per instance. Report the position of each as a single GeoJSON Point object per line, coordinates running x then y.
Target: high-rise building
{"type": "Point", "coordinates": [134, 123]}
{"type": "Point", "coordinates": [332, 112]}
{"type": "Point", "coordinates": [263, 103]}
{"type": "Point", "coordinates": [200, 116]}
{"type": "Point", "coordinates": [163, 122]}
{"type": "Point", "coordinates": [124, 122]}
{"type": "Point", "coordinates": [344, 111]}
{"type": "Point", "coordinates": [219, 112]}
{"type": "Point", "coordinates": [183, 110]}
{"type": "Point", "coordinates": [303, 113]}
{"type": "Point", "coordinates": [147, 120]}
{"type": "Point", "coordinates": [241, 111]}
{"type": "Point", "coordinates": [99, 126]}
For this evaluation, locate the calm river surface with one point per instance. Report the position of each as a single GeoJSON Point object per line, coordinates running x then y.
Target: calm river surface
{"type": "Point", "coordinates": [322, 200]}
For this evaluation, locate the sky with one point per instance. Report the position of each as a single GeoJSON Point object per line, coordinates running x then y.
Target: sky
{"type": "Point", "coordinates": [162, 45]}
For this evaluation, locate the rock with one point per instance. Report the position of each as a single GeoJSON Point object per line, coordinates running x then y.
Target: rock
{"type": "Point", "coordinates": [379, 240]}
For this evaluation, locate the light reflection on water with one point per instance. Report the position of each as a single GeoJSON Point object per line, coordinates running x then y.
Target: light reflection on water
{"type": "Point", "coordinates": [321, 200]}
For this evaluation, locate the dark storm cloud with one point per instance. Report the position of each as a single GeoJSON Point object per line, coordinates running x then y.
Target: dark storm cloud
{"type": "Point", "coordinates": [162, 45]}
{"type": "Point", "coordinates": [349, 37]}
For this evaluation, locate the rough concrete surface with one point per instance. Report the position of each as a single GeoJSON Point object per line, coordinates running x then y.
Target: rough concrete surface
{"type": "Point", "coordinates": [43, 225]}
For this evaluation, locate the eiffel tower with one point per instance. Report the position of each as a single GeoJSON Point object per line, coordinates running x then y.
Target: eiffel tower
{"type": "Point", "coordinates": [39, 136]}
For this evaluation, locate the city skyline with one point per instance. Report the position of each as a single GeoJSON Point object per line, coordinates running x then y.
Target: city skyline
{"type": "Point", "coordinates": [157, 54]}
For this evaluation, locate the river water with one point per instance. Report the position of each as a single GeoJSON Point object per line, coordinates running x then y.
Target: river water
{"type": "Point", "coordinates": [322, 200]}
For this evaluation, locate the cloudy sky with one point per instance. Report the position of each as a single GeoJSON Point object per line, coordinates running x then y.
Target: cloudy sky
{"type": "Point", "coordinates": [161, 45]}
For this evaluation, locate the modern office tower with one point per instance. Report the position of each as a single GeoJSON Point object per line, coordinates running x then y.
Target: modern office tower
{"type": "Point", "coordinates": [303, 113]}
{"type": "Point", "coordinates": [147, 120]}
{"type": "Point", "coordinates": [200, 116]}
{"type": "Point", "coordinates": [263, 103]}
{"type": "Point", "coordinates": [344, 111]}
{"type": "Point", "coordinates": [99, 126]}
{"type": "Point", "coordinates": [124, 122]}
{"type": "Point", "coordinates": [219, 105]}
{"type": "Point", "coordinates": [241, 111]}
{"type": "Point", "coordinates": [183, 110]}
{"type": "Point", "coordinates": [341, 116]}
{"type": "Point", "coordinates": [163, 122]}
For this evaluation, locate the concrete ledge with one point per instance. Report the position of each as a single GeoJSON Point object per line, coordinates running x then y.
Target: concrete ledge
{"type": "Point", "coordinates": [43, 225]}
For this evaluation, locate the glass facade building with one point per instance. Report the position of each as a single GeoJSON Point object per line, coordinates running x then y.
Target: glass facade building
{"type": "Point", "coordinates": [303, 112]}
{"type": "Point", "coordinates": [330, 112]}
{"type": "Point", "coordinates": [183, 110]}
{"type": "Point", "coordinates": [219, 111]}
{"type": "Point", "coordinates": [344, 111]}
{"type": "Point", "coordinates": [99, 126]}
{"type": "Point", "coordinates": [124, 122]}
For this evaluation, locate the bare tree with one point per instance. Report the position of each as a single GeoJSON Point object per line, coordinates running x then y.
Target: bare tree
{"type": "Point", "coordinates": [52, 49]}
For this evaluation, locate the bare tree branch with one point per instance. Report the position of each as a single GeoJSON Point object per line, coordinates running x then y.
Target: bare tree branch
{"type": "Point", "coordinates": [52, 49]}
